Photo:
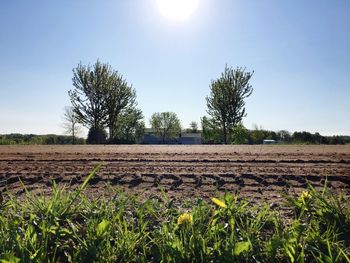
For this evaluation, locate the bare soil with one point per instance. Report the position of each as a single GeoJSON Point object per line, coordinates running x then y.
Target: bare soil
{"type": "Point", "coordinates": [260, 173]}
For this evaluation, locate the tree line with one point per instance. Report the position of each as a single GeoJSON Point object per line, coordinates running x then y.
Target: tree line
{"type": "Point", "coordinates": [106, 104]}
{"type": "Point", "coordinates": [49, 139]}
{"type": "Point", "coordinates": [242, 135]}
{"type": "Point", "coordinates": [103, 100]}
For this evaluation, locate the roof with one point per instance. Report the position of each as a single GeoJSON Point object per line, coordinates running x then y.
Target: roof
{"type": "Point", "coordinates": [191, 135]}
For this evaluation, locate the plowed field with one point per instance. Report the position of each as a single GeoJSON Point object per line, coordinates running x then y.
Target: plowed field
{"type": "Point", "coordinates": [260, 173]}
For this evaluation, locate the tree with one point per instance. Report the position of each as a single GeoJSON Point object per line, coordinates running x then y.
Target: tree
{"type": "Point", "coordinates": [88, 97]}
{"type": "Point", "coordinates": [258, 134]}
{"type": "Point", "coordinates": [99, 96]}
{"type": "Point", "coordinates": [96, 136]}
{"type": "Point", "coordinates": [130, 127]}
{"type": "Point", "coordinates": [166, 125]}
{"type": "Point", "coordinates": [303, 137]}
{"type": "Point", "coordinates": [210, 133]}
{"type": "Point", "coordinates": [70, 123]}
{"type": "Point", "coordinates": [225, 103]}
{"type": "Point", "coordinates": [284, 136]}
{"type": "Point", "coordinates": [193, 126]}
{"type": "Point", "coordinates": [121, 97]}
{"type": "Point", "coordinates": [240, 134]}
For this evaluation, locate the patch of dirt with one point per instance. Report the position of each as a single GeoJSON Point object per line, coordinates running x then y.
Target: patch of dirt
{"type": "Point", "coordinates": [260, 173]}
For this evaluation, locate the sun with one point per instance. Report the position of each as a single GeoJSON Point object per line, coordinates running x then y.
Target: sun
{"type": "Point", "coordinates": [177, 10]}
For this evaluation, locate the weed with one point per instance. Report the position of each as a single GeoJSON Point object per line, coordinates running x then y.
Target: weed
{"type": "Point", "coordinates": [67, 226]}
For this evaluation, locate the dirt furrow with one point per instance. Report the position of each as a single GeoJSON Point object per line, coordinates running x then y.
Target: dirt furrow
{"type": "Point", "coordinates": [257, 172]}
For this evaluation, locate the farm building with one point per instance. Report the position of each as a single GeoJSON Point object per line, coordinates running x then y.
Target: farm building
{"type": "Point", "coordinates": [269, 142]}
{"type": "Point", "coordinates": [185, 138]}
{"type": "Point", "coordinates": [190, 138]}
{"type": "Point", "coordinates": [150, 137]}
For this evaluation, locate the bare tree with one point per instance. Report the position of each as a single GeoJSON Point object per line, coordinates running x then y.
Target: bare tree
{"type": "Point", "coordinates": [70, 123]}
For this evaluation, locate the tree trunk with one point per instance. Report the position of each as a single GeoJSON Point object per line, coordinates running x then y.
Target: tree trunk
{"type": "Point", "coordinates": [225, 133]}
{"type": "Point", "coordinates": [73, 133]}
{"type": "Point", "coordinates": [111, 132]}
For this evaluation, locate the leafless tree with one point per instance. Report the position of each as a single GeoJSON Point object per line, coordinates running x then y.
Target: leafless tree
{"type": "Point", "coordinates": [70, 123]}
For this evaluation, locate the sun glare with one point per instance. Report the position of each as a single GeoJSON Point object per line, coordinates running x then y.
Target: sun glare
{"type": "Point", "coordinates": [177, 10]}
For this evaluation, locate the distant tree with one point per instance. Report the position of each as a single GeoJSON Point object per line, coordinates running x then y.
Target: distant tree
{"type": "Point", "coordinates": [210, 133]}
{"type": "Point", "coordinates": [226, 100]}
{"type": "Point", "coordinates": [130, 127]}
{"type": "Point", "coordinates": [319, 139]}
{"type": "Point", "coordinates": [258, 134]}
{"type": "Point", "coordinates": [303, 137]}
{"type": "Point", "coordinates": [284, 136]}
{"type": "Point", "coordinates": [166, 125]}
{"type": "Point", "coordinates": [120, 100]}
{"type": "Point", "coordinates": [88, 98]}
{"type": "Point", "coordinates": [38, 139]}
{"type": "Point", "coordinates": [99, 96]}
{"type": "Point", "coordinates": [336, 139]}
{"type": "Point", "coordinates": [240, 134]}
{"type": "Point", "coordinates": [271, 135]}
{"type": "Point", "coordinates": [309, 138]}
{"type": "Point", "coordinates": [70, 123]}
{"type": "Point", "coordinates": [193, 126]}
{"type": "Point", "coordinates": [96, 136]}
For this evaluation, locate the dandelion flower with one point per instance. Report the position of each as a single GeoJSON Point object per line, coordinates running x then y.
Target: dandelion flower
{"type": "Point", "coordinates": [218, 202]}
{"type": "Point", "coordinates": [185, 219]}
{"type": "Point", "coordinates": [305, 195]}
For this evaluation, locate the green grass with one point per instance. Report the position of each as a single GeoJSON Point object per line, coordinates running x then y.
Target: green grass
{"type": "Point", "coordinates": [67, 226]}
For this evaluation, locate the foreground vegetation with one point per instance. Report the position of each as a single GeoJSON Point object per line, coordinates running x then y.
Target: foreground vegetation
{"type": "Point", "coordinates": [67, 226]}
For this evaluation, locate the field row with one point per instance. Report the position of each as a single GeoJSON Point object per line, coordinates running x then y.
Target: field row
{"type": "Point", "coordinates": [219, 169]}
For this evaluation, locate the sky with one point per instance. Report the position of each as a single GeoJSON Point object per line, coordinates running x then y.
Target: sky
{"type": "Point", "coordinates": [299, 52]}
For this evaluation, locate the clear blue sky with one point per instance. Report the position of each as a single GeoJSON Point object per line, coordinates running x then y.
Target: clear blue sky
{"type": "Point", "coordinates": [299, 50]}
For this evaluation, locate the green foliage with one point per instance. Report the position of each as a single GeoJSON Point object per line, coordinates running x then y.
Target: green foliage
{"type": "Point", "coordinates": [89, 96]}
{"type": "Point", "coordinates": [67, 226]}
{"type": "Point", "coordinates": [225, 103]}
{"type": "Point", "coordinates": [305, 137]}
{"type": "Point", "coordinates": [210, 133]}
{"type": "Point", "coordinates": [96, 136]}
{"type": "Point", "coordinates": [309, 138]}
{"type": "Point", "coordinates": [102, 98]}
{"type": "Point", "coordinates": [321, 229]}
{"type": "Point", "coordinates": [130, 127]}
{"type": "Point", "coordinates": [24, 139]}
{"type": "Point", "coordinates": [258, 135]}
{"type": "Point", "coordinates": [193, 127]}
{"type": "Point", "coordinates": [121, 105]}
{"type": "Point", "coordinates": [240, 135]}
{"type": "Point", "coordinates": [166, 125]}
{"type": "Point", "coordinates": [284, 136]}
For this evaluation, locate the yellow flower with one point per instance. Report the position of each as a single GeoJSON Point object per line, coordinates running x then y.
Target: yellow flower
{"type": "Point", "coordinates": [219, 202]}
{"type": "Point", "coordinates": [305, 195]}
{"type": "Point", "coordinates": [185, 219]}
